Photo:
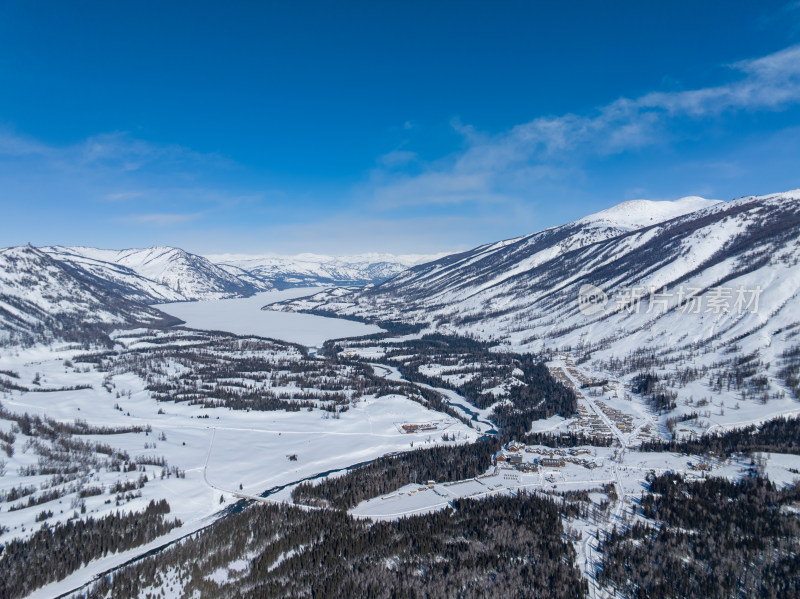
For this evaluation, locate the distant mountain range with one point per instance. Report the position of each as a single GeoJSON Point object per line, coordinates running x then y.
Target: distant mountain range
{"type": "Point", "coordinates": [306, 270]}
{"type": "Point", "coordinates": [166, 274]}
{"type": "Point", "coordinates": [692, 275]}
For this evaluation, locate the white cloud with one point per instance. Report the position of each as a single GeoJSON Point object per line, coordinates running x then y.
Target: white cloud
{"type": "Point", "coordinates": [162, 219]}
{"type": "Point", "coordinates": [117, 151]}
{"type": "Point", "coordinates": [15, 145]}
{"type": "Point", "coordinates": [507, 166]}
{"type": "Point", "coordinates": [397, 158]}
{"type": "Point", "coordinates": [121, 151]}
{"type": "Point", "coordinates": [122, 196]}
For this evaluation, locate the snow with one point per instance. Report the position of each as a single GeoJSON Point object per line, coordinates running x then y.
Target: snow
{"type": "Point", "coordinates": [165, 273]}
{"type": "Point", "coordinates": [527, 300]}
{"type": "Point", "coordinates": [371, 267]}
{"type": "Point", "coordinates": [627, 470]}
{"type": "Point", "coordinates": [90, 572]}
{"type": "Point", "coordinates": [35, 289]}
{"type": "Point", "coordinates": [636, 214]}
{"type": "Point", "coordinates": [244, 316]}
{"type": "Point", "coordinates": [232, 453]}
{"type": "Point", "coordinates": [310, 260]}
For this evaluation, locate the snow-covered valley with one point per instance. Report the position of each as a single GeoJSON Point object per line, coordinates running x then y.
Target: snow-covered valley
{"type": "Point", "coordinates": [475, 383]}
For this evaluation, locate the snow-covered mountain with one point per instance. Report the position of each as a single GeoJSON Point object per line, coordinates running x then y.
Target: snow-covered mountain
{"type": "Point", "coordinates": [314, 269]}
{"type": "Point", "coordinates": [158, 274]}
{"type": "Point", "coordinates": [692, 277]}
{"type": "Point", "coordinates": [166, 274]}
{"type": "Point", "coordinates": [42, 298]}
{"type": "Point", "coordinates": [636, 214]}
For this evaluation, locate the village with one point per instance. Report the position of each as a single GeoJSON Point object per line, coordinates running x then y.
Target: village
{"type": "Point", "coordinates": [519, 468]}
{"type": "Point", "coordinates": [516, 456]}
{"type": "Point", "coordinates": [596, 417]}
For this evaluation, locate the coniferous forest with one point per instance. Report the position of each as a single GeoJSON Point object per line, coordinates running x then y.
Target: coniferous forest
{"type": "Point", "coordinates": [55, 551]}
{"type": "Point", "coordinates": [779, 435]}
{"type": "Point", "coordinates": [386, 474]}
{"type": "Point", "coordinates": [712, 538]}
{"type": "Point", "coordinates": [502, 547]}
{"type": "Point", "coordinates": [519, 386]}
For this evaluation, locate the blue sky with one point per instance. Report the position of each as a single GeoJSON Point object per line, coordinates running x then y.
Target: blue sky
{"type": "Point", "coordinates": [344, 127]}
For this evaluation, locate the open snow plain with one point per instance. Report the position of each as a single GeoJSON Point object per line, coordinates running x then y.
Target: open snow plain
{"type": "Point", "coordinates": [200, 458]}
{"type": "Point", "coordinates": [244, 316]}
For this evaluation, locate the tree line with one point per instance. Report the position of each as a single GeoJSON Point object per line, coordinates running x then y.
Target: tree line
{"type": "Point", "coordinates": [712, 538]}
{"type": "Point", "coordinates": [501, 547]}
{"type": "Point", "coordinates": [388, 473]}
{"type": "Point", "coordinates": [53, 552]}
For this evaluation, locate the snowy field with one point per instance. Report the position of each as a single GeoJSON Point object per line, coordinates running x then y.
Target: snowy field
{"type": "Point", "coordinates": [223, 453]}
{"type": "Point", "coordinates": [244, 316]}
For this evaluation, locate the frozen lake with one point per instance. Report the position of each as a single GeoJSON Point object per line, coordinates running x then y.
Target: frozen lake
{"type": "Point", "coordinates": [245, 317]}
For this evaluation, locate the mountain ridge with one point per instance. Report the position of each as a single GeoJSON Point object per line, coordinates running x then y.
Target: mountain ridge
{"type": "Point", "coordinates": [309, 269]}
{"type": "Point", "coordinates": [40, 298]}
{"type": "Point", "coordinates": [525, 293]}
{"type": "Point", "coordinates": [162, 274]}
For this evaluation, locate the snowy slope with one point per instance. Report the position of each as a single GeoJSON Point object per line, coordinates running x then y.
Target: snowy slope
{"type": "Point", "coordinates": [490, 265]}
{"type": "Point", "coordinates": [122, 279]}
{"type": "Point", "coordinates": [314, 269]}
{"type": "Point", "coordinates": [643, 213]}
{"type": "Point", "coordinates": [159, 274]}
{"type": "Point", "coordinates": [525, 291]}
{"type": "Point", "coordinates": [40, 297]}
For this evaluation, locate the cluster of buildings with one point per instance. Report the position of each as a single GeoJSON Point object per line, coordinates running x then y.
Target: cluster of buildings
{"type": "Point", "coordinates": [561, 377]}
{"type": "Point", "coordinates": [645, 433]}
{"type": "Point", "coordinates": [425, 427]}
{"type": "Point", "coordinates": [583, 380]}
{"type": "Point", "coordinates": [512, 457]}
{"type": "Point", "coordinates": [587, 421]}
{"type": "Point", "coordinates": [623, 421]}
{"type": "Point", "coordinates": [590, 424]}
{"type": "Point", "coordinates": [701, 466]}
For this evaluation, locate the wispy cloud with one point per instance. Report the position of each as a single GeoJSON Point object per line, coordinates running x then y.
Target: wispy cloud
{"type": "Point", "coordinates": [482, 191]}
{"type": "Point", "coordinates": [162, 219]}
{"type": "Point", "coordinates": [118, 151]}
{"type": "Point", "coordinates": [15, 145]}
{"type": "Point", "coordinates": [121, 151]}
{"type": "Point", "coordinates": [122, 196]}
{"type": "Point", "coordinates": [397, 158]}
{"type": "Point", "coordinates": [104, 176]}
{"type": "Point", "coordinates": [502, 167]}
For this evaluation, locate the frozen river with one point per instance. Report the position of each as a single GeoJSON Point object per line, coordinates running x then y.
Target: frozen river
{"type": "Point", "coordinates": [244, 316]}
